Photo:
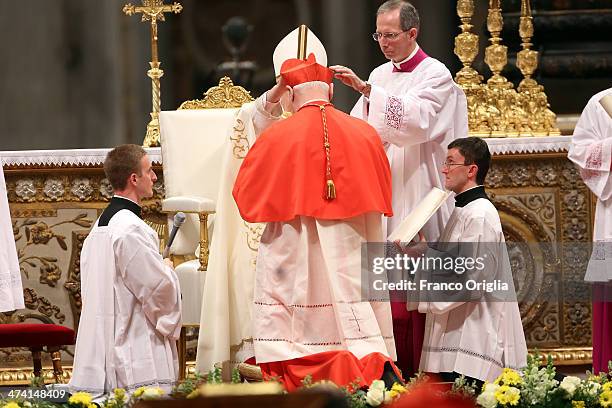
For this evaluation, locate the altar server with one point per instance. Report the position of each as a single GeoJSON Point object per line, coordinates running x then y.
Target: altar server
{"type": "Point", "coordinates": [479, 332]}
{"type": "Point", "coordinates": [591, 150]}
{"type": "Point", "coordinates": [131, 313]}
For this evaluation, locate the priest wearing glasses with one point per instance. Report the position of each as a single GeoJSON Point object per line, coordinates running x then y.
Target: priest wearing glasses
{"type": "Point", "coordinates": [417, 109]}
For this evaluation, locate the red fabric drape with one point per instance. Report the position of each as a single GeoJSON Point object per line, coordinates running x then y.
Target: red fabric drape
{"type": "Point", "coordinates": [408, 330]}
{"type": "Point", "coordinates": [340, 367]}
{"type": "Point", "coordinates": [602, 326]}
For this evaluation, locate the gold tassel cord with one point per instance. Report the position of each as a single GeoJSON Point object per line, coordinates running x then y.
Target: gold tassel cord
{"type": "Point", "coordinates": [331, 187]}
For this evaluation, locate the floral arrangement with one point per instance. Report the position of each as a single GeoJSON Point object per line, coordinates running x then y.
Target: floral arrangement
{"type": "Point", "coordinates": [536, 386]}
{"type": "Point", "coordinates": [533, 386]}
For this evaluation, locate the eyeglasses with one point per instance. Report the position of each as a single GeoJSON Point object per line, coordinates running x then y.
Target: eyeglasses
{"type": "Point", "coordinates": [387, 36]}
{"type": "Point", "coordinates": [449, 165]}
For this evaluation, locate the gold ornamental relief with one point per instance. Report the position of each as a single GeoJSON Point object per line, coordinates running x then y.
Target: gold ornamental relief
{"type": "Point", "coordinates": [225, 95]}
{"type": "Point", "coordinates": [253, 235]}
{"type": "Point", "coordinates": [240, 142]}
{"type": "Point", "coordinates": [526, 27]}
{"type": "Point", "coordinates": [466, 47]}
{"type": "Point", "coordinates": [527, 62]}
{"type": "Point", "coordinates": [496, 57]}
{"type": "Point", "coordinates": [465, 8]}
{"type": "Point", "coordinates": [495, 21]}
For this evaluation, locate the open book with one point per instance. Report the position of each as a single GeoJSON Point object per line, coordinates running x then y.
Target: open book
{"type": "Point", "coordinates": [413, 223]}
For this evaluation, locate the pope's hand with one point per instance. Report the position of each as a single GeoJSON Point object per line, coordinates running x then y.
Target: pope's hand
{"type": "Point", "coordinates": [168, 262]}
{"type": "Point", "coordinates": [277, 91]}
{"type": "Point", "coordinates": [348, 77]}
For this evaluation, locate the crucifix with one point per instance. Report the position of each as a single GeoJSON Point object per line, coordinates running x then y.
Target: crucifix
{"type": "Point", "coordinates": [153, 10]}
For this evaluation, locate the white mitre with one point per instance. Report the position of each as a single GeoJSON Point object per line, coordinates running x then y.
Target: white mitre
{"type": "Point", "coordinates": [288, 48]}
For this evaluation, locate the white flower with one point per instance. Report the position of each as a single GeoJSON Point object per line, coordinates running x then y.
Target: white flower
{"type": "Point", "coordinates": [375, 396]}
{"type": "Point", "coordinates": [569, 385]}
{"type": "Point", "coordinates": [388, 397]}
{"type": "Point", "coordinates": [487, 398]}
{"type": "Point", "coordinates": [152, 393]}
{"type": "Point", "coordinates": [592, 388]}
{"type": "Point", "coordinates": [378, 385]}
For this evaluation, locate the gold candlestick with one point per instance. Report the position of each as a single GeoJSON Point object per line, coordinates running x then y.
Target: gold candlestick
{"type": "Point", "coordinates": [496, 54]}
{"type": "Point", "coordinates": [541, 120]}
{"type": "Point", "coordinates": [153, 10]}
{"type": "Point", "coordinates": [466, 46]}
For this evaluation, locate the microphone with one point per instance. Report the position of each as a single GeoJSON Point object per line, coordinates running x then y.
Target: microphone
{"type": "Point", "coordinates": [179, 219]}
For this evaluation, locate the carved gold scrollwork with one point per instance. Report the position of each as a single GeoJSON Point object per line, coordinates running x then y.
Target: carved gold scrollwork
{"type": "Point", "coordinates": [225, 95]}
{"type": "Point", "coordinates": [240, 142]}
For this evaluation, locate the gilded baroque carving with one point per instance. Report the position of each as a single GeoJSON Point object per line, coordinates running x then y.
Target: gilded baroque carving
{"type": "Point", "coordinates": [25, 190]}
{"type": "Point", "coordinates": [106, 190]}
{"type": "Point", "coordinates": [54, 189]}
{"type": "Point", "coordinates": [546, 207]}
{"type": "Point", "coordinates": [225, 95]}
{"type": "Point", "coordinates": [82, 189]}
{"type": "Point", "coordinates": [495, 108]}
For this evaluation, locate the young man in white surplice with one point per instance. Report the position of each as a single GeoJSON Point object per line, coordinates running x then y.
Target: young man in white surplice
{"type": "Point", "coordinates": [417, 109]}
{"type": "Point", "coordinates": [131, 315]}
{"type": "Point", "coordinates": [476, 329]}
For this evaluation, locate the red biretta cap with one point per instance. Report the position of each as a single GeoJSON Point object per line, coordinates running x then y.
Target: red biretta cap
{"type": "Point", "coordinates": [296, 71]}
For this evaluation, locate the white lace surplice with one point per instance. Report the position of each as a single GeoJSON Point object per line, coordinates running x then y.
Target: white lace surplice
{"type": "Point", "coordinates": [591, 151]}
{"type": "Point", "coordinates": [11, 291]}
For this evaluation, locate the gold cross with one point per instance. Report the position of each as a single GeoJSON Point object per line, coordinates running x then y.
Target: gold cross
{"type": "Point", "coordinates": [153, 10]}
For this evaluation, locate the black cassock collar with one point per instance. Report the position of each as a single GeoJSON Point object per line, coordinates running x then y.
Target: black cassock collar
{"type": "Point", "coordinates": [117, 204]}
{"type": "Point", "coordinates": [463, 199]}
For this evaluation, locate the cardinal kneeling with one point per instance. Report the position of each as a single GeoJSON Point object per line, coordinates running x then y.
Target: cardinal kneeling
{"type": "Point", "coordinates": [321, 181]}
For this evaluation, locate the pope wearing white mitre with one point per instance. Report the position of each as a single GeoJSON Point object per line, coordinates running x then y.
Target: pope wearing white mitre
{"type": "Point", "coordinates": [11, 292]}
{"type": "Point", "coordinates": [226, 321]}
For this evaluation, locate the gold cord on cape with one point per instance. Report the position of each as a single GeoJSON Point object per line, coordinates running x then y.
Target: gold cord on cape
{"type": "Point", "coordinates": [330, 187]}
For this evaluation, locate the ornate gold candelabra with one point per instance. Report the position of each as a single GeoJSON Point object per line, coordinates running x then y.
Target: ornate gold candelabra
{"type": "Point", "coordinates": [153, 11]}
{"type": "Point", "coordinates": [495, 108]}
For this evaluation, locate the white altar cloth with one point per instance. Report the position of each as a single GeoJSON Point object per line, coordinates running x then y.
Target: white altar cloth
{"type": "Point", "coordinates": [73, 157]}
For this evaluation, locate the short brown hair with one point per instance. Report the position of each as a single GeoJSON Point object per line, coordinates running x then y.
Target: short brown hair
{"type": "Point", "coordinates": [121, 162]}
{"type": "Point", "coordinates": [476, 151]}
{"type": "Point", "coordinates": [409, 16]}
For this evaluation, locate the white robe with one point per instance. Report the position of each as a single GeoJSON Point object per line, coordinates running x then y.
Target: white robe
{"type": "Point", "coordinates": [417, 114]}
{"type": "Point", "coordinates": [131, 315]}
{"type": "Point", "coordinates": [308, 293]}
{"type": "Point", "coordinates": [225, 327]}
{"type": "Point", "coordinates": [475, 338]}
{"type": "Point", "coordinates": [591, 151]}
{"type": "Point", "coordinates": [11, 291]}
